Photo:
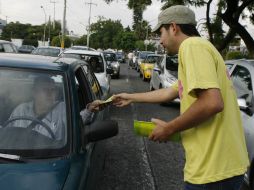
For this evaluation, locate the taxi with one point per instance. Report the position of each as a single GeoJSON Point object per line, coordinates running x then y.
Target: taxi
{"type": "Point", "coordinates": [147, 66]}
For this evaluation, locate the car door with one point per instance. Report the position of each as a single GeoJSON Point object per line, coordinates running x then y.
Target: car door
{"type": "Point", "coordinates": [157, 74]}
{"type": "Point", "coordinates": [84, 151]}
{"type": "Point", "coordinates": [243, 84]}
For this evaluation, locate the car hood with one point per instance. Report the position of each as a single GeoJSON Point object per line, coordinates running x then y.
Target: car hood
{"type": "Point", "coordinates": [39, 176]}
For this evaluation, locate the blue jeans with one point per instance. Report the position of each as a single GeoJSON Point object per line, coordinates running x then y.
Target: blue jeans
{"type": "Point", "coordinates": [233, 183]}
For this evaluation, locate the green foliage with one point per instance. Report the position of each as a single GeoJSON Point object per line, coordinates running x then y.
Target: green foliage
{"type": "Point", "coordinates": [82, 41]}
{"type": "Point", "coordinates": [32, 42]}
{"type": "Point", "coordinates": [125, 41]}
{"type": "Point", "coordinates": [29, 32]}
{"type": "Point", "coordinates": [104, 32]}
{"type": "Point", "coordinates": [56, 41]}
{"type": "Point", "coordinates": [235, 55]}
{"type": "Point", "coordinates": [140, 45]}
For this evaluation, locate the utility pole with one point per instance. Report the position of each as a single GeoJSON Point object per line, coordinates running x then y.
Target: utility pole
{"type": "Point", "coordinates": [89, 21]}
{"type": "Point", "coordinates": [54, 2]}
{"type": "Point", "coordinates": [49, 24]}
{"type": "Point", "coordinates": [64, 23]}
{"type": "Point", "coordinates": [44, 33]}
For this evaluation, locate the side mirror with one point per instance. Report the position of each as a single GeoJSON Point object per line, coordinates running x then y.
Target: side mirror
{"type": "Point", "coordinates": [157, 69]}
{"type": "Point", "coordinates": [101, 130]}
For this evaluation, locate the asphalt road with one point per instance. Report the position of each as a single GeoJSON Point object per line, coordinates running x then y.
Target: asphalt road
{"type": "Point", "coordinates": [132, 162]}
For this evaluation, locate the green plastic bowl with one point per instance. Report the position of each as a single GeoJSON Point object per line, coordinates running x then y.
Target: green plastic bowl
{"type": "Point", "coordinates": [144, 128]}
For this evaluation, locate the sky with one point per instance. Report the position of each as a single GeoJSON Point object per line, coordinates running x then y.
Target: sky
{"type": "Point", "coordinates": [30, 11]}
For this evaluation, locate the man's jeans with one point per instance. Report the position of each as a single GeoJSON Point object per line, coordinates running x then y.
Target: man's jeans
{"type": "Point", "coordinates": [233, 183]}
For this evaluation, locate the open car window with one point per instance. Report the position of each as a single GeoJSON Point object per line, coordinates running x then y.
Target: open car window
{"type": "Point", "coordinates": [33, 117]}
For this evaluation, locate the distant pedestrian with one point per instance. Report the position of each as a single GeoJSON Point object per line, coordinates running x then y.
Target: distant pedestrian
{"type": "Point", "coordinates": [210, 122]}
{"type": "Point", "coordinates": [130, 59]}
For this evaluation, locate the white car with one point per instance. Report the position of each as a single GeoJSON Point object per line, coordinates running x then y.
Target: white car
{"type": "Point", "coordinates": [98, 64]}
{"type": "Point", "coordinates": [164, 73]}
{"type": "Point", "coordinates": [242, 76]}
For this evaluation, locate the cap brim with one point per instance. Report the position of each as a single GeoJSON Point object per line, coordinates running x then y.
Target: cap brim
{"type": "Point", "coordinates": [157, 27]}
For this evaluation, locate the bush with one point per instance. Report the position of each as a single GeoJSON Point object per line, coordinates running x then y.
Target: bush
{"type": "Point", "coordinates": [235, 55]}
{"type": "Point", "coordinates": [32, 42]}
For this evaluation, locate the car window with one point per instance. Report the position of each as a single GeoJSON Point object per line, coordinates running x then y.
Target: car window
{"type": "Point", "coordinates": [241, 79]}
{"type": "Point", "coordinates": [152, 59]}
{"type": "Point", "coordinates": [8, 48]}
{"type": "Point", "coordinates": [32, 112]}
{"type": "Point", "coordinates": [95, 61]}
{"type": "Point", "coordinates": [110, 57]}
{"type": "Point", "coordinates": [93, 83]}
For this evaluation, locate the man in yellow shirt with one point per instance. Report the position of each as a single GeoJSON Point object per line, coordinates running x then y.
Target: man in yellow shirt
{"type": "Point", "coordinates": [209, 123]}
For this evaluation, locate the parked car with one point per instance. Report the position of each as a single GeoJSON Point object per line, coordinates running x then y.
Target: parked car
{"type": "Point", "coordinates": [113, 63]}
{"type": "Point", "coordinates": [98, 64]}
{"type": "Point", "coordinates": [139, 57]}
{"type": "Point", "coordinates": [147, 66]}
{"type": "Point", "coordinates": [242, 76]}
{"type": "Point", "coordinates": [31, 160]}
{"type": "Point", "coordinates": [7, 47]}
{"type": "Point", "coordinates": [48, 51]}
{"type": "Point", "coordinates": [164, 73]}
{"type": "Point", "coordinates": [26, 49]}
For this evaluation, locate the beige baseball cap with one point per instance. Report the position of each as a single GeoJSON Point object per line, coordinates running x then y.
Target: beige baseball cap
{"type": "Point", "coordinates": [178, 14]}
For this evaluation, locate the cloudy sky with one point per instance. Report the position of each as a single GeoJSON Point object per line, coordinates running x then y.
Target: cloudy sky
{"type": "Point", "coordinates": [30, 11]}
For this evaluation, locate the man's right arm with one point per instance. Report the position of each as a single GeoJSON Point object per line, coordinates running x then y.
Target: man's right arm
{"type": "Point", "coordinates": [157, 96]}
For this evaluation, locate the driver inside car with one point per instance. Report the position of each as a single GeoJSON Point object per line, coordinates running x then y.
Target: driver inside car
{"type": "Point", "coordinates": [46, 109]}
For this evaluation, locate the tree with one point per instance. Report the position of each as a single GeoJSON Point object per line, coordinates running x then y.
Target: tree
{"type": "Point", "coordinates": [81, 41]}
{"type": "Point", "coordinates": [228, 12]}
{"type": "Point", "coordinates": [125, 41]}
{"type": "Point", "coordinates": [103, 33]}
{"type": "Point", "coordinates": [56, 41]}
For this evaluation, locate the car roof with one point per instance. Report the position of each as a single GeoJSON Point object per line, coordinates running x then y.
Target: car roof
{"type": "Point", "coordinates": [35, 62]}
{"type": "Point", "coordinates": [52, 47]}
{"type": "Point", "coordinates": [4, 41]}
{"type": "Point", "coordinates": [81, 51]}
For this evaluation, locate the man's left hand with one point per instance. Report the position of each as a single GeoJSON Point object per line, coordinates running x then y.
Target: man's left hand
{"type": "Point", "coordinates": [161, 131]}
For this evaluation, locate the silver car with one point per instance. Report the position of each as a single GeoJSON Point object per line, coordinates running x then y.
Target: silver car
{"type": "Point", "coordinates": [164, 73]}
{"type": "Point", "coordinates": [242, 76]}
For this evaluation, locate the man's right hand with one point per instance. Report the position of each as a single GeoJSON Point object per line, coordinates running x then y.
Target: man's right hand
{"type": "Point", "coordinates": [121, 100]}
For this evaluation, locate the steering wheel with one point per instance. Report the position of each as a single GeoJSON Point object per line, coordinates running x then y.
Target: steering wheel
{"type": "Point", "coordinates": [34, 120]}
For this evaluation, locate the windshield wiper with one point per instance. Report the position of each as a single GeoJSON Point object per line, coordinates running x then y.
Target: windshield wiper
{"type": "Point", "coordinates": [11, 157]}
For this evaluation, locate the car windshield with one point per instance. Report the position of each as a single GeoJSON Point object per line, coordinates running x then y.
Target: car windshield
{"type": "Point", "coordinates": [95, 61]}
{"type": "Point", "coordinates": [33, 120]}
{"type": "Point", "coordinates": [48, 52]}
{"type": "Point", "coordinates": [110, 57]}
{"type": "Point", "coordinates": [143, 55]}
{"type": "Point", "coordinates": [152, 59]}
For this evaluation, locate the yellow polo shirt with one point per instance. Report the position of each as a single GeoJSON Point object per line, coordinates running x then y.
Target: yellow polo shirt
{"type": "Point", "coordinates": [215, 149]}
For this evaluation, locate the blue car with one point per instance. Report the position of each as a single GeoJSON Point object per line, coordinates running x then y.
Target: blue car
{"type": "Point", "coordinates": [41, 148]}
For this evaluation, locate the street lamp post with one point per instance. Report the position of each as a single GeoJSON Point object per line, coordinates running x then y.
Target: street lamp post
{"type": "Point", "coordinates": [44, 34]}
